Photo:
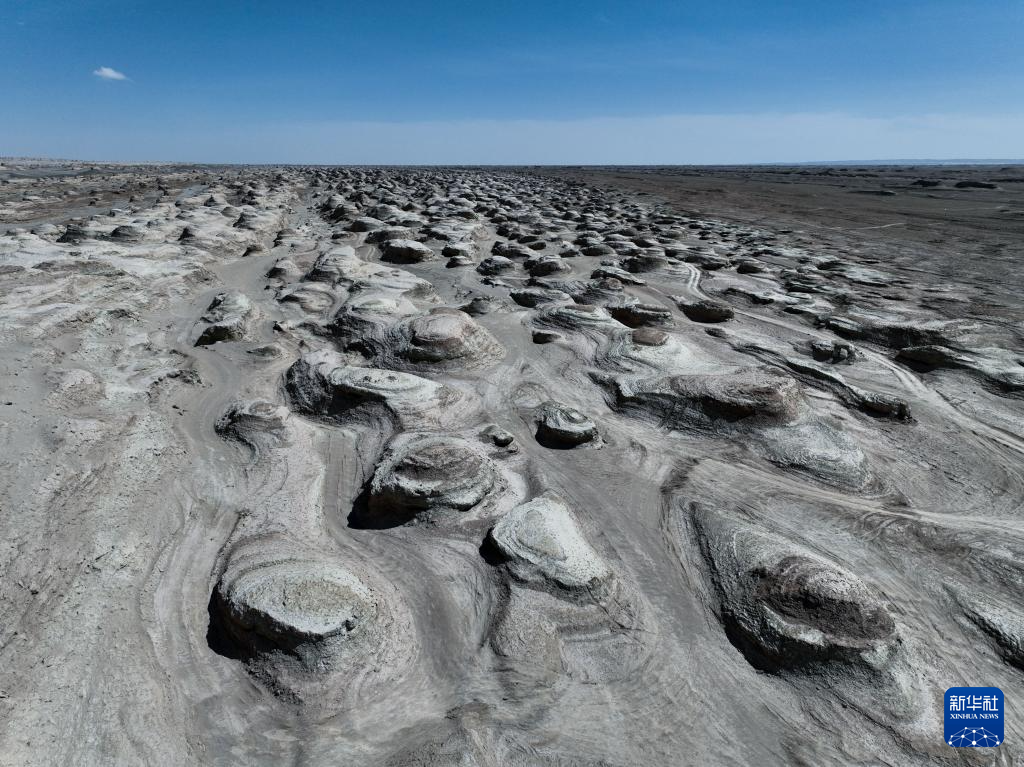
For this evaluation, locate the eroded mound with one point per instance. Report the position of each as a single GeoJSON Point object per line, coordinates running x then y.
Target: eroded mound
{"type": "Point", "coordinates": [786, 607]}
{"type": "Point", "coordinates": [561, 426]}
{"type": "Point", "coordinates": [750, 396]}
{"type": "Point", "coordinates": [584, 318]}
{"type": "Point", "coordinates": [260, 424]}
{"type": "Point", "coordinates": [446, 338]}
{"type": "Point", "coordinates": [226, 319]}
{"type": "Point", "coordinates": [292, 605]}
{"type": "Point", "coordinates": [322, 384]}
{"type": "Point", "coordinates": [401, 251]}
{"type": "Point", "coordinates": [542, 544]}
{"type": "Point", "coordinates": [429, 473]}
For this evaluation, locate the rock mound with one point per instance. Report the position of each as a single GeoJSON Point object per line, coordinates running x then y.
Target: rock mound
{"type": "Point", "coordinates": [227, 319]}
{"type": "Point", "coordinates": [292, 605]}
{"type": "Point", "coordinates": [428, 473]}
{"type": "Point", "coordinates": [560, 426]}
{"type": "Point", "coordinates": [785, 607]}
{"type": "Point", "coordinates": [406, 252]}
{"type": "Point", "coordinates": [323, 385]}
{"type": "Point", "coordinates": [259, 424]}
{"type": "Point", "coordinates": [706, 311]}
{"type": "Point", "coordinates": [541, 544]}
{"type": "Point", "coordinates": [442, 338]}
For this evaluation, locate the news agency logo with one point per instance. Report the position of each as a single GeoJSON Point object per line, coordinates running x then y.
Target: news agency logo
{"type": "Point", "coordinates": [974, 717]}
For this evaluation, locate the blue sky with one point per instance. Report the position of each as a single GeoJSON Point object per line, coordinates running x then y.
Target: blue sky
{"type": "Point", "coordinates": [512, 82]}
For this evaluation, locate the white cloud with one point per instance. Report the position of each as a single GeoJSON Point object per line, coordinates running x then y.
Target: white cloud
{"type": "Point", "coordinates": [107, 73]}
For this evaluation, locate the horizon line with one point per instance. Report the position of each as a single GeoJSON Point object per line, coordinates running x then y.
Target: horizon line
{"type": "Point", "coordinates": [900, 161]}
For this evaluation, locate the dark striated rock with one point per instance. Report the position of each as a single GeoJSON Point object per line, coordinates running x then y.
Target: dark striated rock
{"type": "Point", "coordinates": [637, 315]}
{"type": "Point", "coordinates": [706, 311]}
{"type": "Point", "coordinates": [560, 426]}
{"type": "Point", "coordinates": [786, 608]}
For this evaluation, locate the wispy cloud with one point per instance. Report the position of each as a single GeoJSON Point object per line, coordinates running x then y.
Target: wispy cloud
{"type": "Point", "coordinates": [108, 73]}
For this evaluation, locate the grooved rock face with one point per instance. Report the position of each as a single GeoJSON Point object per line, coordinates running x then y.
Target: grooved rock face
{"type": "Point", "coordinates": [389, 234]}
{"type": "Point", "coordinates": [579, 317]}
{"type": "Point", "coordinates": [383, 385]}
{"type": "Point", "coordinates": [815, 448]}
{"type": "Point", "coordinates": [898, 331]}
{"type": "Point", "coordinates": [440, 335]}
{"type": "Point", "coordinates": [707, 311]}
{"type": "Point", "coordinates": [786, 607]}
{"type": "Point", "coordinates": [1002, 622]}
{"type": "Point", "coordinates": [533, 297]}
{"type": "Point", "coordinates": [560, 426]}
{"type": "Point", "coordinates": [428, 473]}
{"type": "Point", "coordinates": [649, 337]}
{"type": "Point", "coordinates": [542, 542]}
{"type": "Point", "coordinates": [293, 602]}
{"type": "Point", "coordinates": [808, 591]}
{"type": "Point", "coordinates": [258, 423]}
{"type": "Point", "coordinates": [406, 252]}
{"type": "Point", "coordinates": [322, 384]}
{"type": "Point", "coordinates": [495, 265]}
{"type": "Point", "coordinates": [765, 407]}
{"type": "Point", "coordinates": [227, 317]}
{"type": "Point", "coordinates": [638, 315]}
{"type": "Point", "coordinates": [448, 336]}
{"type": "Point", "coordinates": [366, 224]}
{"type": "Point", "coordinates": [548, 265]}
{"type": "Point", "coordinates": [334, 265]}
{"type": "Point", "coordinates": [743, 395]}
{"type": "Point", "coordinates": [126, 233]}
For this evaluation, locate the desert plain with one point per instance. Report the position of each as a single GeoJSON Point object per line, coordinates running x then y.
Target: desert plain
{"type": "Point", "coordinates": [508, 466]}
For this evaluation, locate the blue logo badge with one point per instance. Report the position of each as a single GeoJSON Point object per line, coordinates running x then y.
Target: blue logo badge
{"type": "Point", "coordinates": [974, 717]}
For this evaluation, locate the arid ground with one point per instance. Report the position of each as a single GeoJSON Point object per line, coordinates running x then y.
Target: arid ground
{"type": "Point", "coordinates": [494, 466]}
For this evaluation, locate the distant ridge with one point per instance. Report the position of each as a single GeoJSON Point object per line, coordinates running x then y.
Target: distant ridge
{"type": "Point", "coordinates": [901, 162]}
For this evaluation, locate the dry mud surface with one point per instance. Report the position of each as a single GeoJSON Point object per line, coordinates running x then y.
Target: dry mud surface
{"type": "Point", "coordinates": [469, 467]}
